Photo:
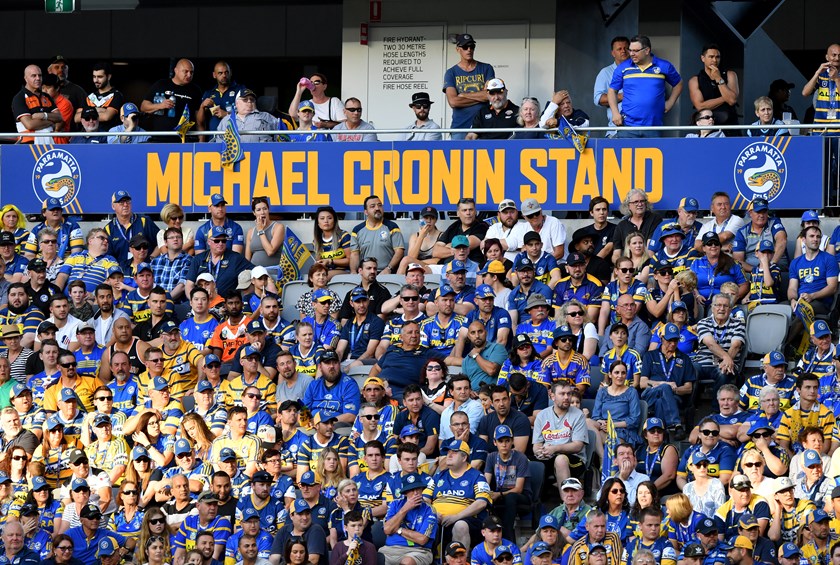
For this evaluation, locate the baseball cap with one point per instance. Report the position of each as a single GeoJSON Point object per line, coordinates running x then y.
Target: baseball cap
{"type": "Point", "coordinates": [818, 515]}
{"type": "Point", "coordinates": [249, 513]}
{"type": "Point", "coordinates": [740, 482]}
{"type": "Point", "coordinates": [247, 351]}
{"type": "Point", "coordinates": [255, 326]}
{"type": "Point", "coordinates": [129, 108]}
{"type": "Point", "coordinates": [169, 326]}
{"type": "Point", "coordinates": [18, 388]}
{"type": "Point", "coordinates": [39, 482]}
{"type": "Point", "coordinates": [694, 550]}
{"type": "Point", "coordinates": [463, 39]}
{"type": "Point", "coordinates": [536, 300]}
{"type": "Point", "coordinates": [246, 93]}
{"type": "Point", "coordinates": [575, 258]}
{"type": "Point", "coordinates": [737, 541]}
{"type": "Point", "coordinates": [457, 266]}
{"type": "Point", "coordinates": [455, 549]}
{"type": "Point", "coordinates": [707, 526]}
{"type": "Point", "coordinates": [782, 484]}
{"type": "Point", "coordinates": [139, 452]}
{"type": "Point", "coordinates": [7, 238]}
{"type": "Point", "coordinates": [100, 419]}
{"type": "Point", "coordinates": [689, 204]}
{"type": "Point", "coordinates": [790, 550]}
{"type": "Point", "coordinates": [698, 457]}
{"type": "Point", "coordinates": [671, 331]}
{"type": "Point", "coordinates": [540, 548]}
{"type": "Point", "coordinates": [259, 272]}
{"type": "Point", "coordinates": [748, 521]}
{"type": "Point", "coordinates": [204, 385]}
{"type": "Point", "coordinates": [415, 267]}
{"type": "Point", "coordinates": [520, 340]}
{"type": "Point", "coordinates": [78, 483]}
{"type": "Point", "coordinates": [211, 359]}
{"type": "Point", "coordinates": [321, 295]}
{"type": "Point", "coordinates": [412, 481]}
{"type": "Point", "coordinates": [711, 237]}
{"type": "Point", "coordinates": [530, 206]}
{"type": "Point", "coordinates": [218, 231]}
{"type": "Point", "coordinates": [428, 211]}
{"type": "Point", "coordinates": [68, 394]}
{"type": "Point", "coordinates": [38, 265]}
{"type": "Point", "coordinates": [810, 216]}
{"type": "Point", "coordinates": [300, 505]}
{"type": "Point", "coordinates": [774, 359]}
{"type": "Point", "coordinates": [88, 325]}
{"type": "Point", "coordinates": [458, 445]}
{"type": "Point", "coordinates": [780, 84]}
{"type": "Point", "coordinates": [328, 356]}
{"type": "Point", "coordinates": [485, 291]}
{"type": "Point", "coordinates": [506, 204]}
{"type": "Point", "coordinates": [159, 383]}
{"type": "Point", "coordinates": [358, 293]}
{"type": "Point", "coordinates": [77, 456]}
{"type": "Point", "coordinates": [597, 547]}
{"type": "Point", "coordinates": [182, 446]}
{"type": "Point", "coordinates": [495, 267]}
{"type": "Point", "coordinates": [90, 511]}
{"type": "Point", "coordinates": [562, 331]}
{"type": "Point", "coordinates": [444, 290]}
{"type": "Point", "coordinates": [491, 523]}
{"type": "Point", "coordinates": [549, 521]}
{"type": "Point", "coordinates": [208, 497]}
{"type": "Point", "coordinates": [4, 478]}
{"type": "Point", "coordinates": [460, 241]}
{"type": "Point", "coordinates": [835, 493]}
{"type": "Point", "coordinates": [117, 270]}
{"type": "Point", "coordinates": [759, 204]}
{"type": "Point", "coordinates": [226, 454]}
{"type": "Point", "coordinates": [811, 457]}
{"type": "Point", "coordinates": [323, 416]}
{"type": "Point", "coordinates": [531, 236]}
{"type": "Point", "coordinates": [759, 424]}
{"type": "Point", "coordinates": [216, 199]}
{"type": "Point", "coordinates": [525, 264]}
{"type": "Point", "coordinates": [306, 106]}
{"type": "Point", "coordinates": [375, 381]}
{"type": "Point", "coordinates": [765, 246]}
{"type": "Point", "coordinates": [243, 280]}
{"type": "Point", "coordinates": [619, 326]}
{"type": "Point", "coordinates": [820, 329]}
{"type": "Point", "coordinates": [28, 509]}
{"type": "Point", "coordinates": [502, 550]}
{"type": "Point", "coordinates": [494, 84]}
{"type": "Point", "coordinates": [286, 404]}
{"type": "Point", "coordinates": [52, 203]}
{"type": "Point", "coordinates": [144, 267]}
{"type": "Point", "coordinates": [120, 195]}
{"type": "Point", "coordinates": [90, 113]}
{"type": "Point", "coordinates": [409, 430]}
{"type": "Point", "coordinates": [263, 477]}
{"type": "Point", "coordinates": [571, 483]}
{"type": "Point", "coordinates": [502, 431]}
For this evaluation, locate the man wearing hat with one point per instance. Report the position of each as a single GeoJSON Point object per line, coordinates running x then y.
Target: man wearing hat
{"type": "Point", "coordinates": [334, 391]}
{"type": "Point", "coordinates": [741, 500]}
{"type": "Point", "coordinates": [538, 327]}
{"type": "Point", "coordinates": [761, 227]}
{"type": "Point", "coordinates": [89, 119]}
{"type": "Point", "coordinates": [546, 270]}
{"type": "Point", "coordinates": [790, 554]}
{"type": "Point", "coordinates": [499, 112]}
{"type": "Point", "coordinates": [205, 520]}
{"type": "Point", "coordinates": [775, 367]}
{"type": "Point", "coordinates": [710, 544]}
{"type": "Point", "coordinates": [129, 122]}
{"type": "Point", "coordinates": [822, 538]}
{"type": "Point", "coordinates": [686, 221]}
{"type": "Point", "coordinates": [508, 230]}
{"type": "Point", "coordinates": [219, 261]}
{"type": "Point", "coordinates": [306, 123]}
{"type": "Point", "coordinates": [468, 226]}
{"type": "Point", "coordinates": [361, 335]}
{"type": "Point", "coordinates": [459, 274]}
{"type": "Point", "coordinates": [668, 378]}
{"type": "Point", "coordinates": [410, 524]}
{"type": "Point", "coordinates": [495, 549]}
{"type": "Point", "coordinates": [671, 251]}
{"type": "Point", "coordinates": [495, 320]}
{"type": "Point", "coordinates": [814, 486]}
{"type": "Point", "coordinates": [456, 553]}
{"type": "Point", "coordinates": [421, 103]}
{"type": "Point", "coordinates": [564, 364]}
{"type": "Point", "coordinates": [68, 236]}
{"type": "Point", "coordinates": [518, 298]}
{"type": "Point", "coordinates": [107, 452]}
{"type": "Point", "coordinates": [461, 495]}
{"type": "Point", "coordinates": [300, 525]}
{"type": "Point", "coordinates": [249, 524]}
{"type": "Point", "coordinates": [514, 490]}
{"type": "Point", "coordinates": [571, 512]}
{"type": "Point", "coordinates": [249, 118]}
{"type": "Point", "coordinates": [764, 550]}
{"type": "Point", "coordinates": [87, 536]}
{"type": "Point", "coordinates": [15, 264]}
{"type": "Point", "coordinates": [218, 218]}
{"type": "Point", "coordinates": [38, 288]}
{"type": "Point", "coordinates": [464, 84]}
{"type": "Point", "coordinates": [766, 278]}
{"type": "Point", "coordinates": [578, 285]}
{"type": "Point", "coordinates": [261, 374]}
{"type": "Point", "coordinates": [36, 538]}
{"type": "Point", "coordinates": [196, 471]}
{"type": "Point", "coordinates": [182, 362]}
{"type": "Point", "coordinates": [739, 550]}
{"type": "Point", "coordinates": [126, 225]}
{"type": "Point", "coordinates": [260, 500]}
{"type": "Point", "coordinates": [539, 554]}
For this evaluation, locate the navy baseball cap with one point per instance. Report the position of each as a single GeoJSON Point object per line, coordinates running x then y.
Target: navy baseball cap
{"type": "Point", "coordinates": [217, 199]}
{"type": "Point", "coordinates": [412, 481]}
{"type": "Point", "coordinates": [502, 431]}
{"type": "Point", "coordinates": [759, 204]}
{"type": "Point", "coordinates": [120, 195]}
{"type": "Point", "coordinates": [671, 331]}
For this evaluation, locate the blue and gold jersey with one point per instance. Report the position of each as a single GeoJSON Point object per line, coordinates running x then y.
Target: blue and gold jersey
{"type": "Point", "coordinates": [88, 363]}
{"type": "Point", "coordinates": [721, 460]}
{"type": "Point", "coordinates": [544, 267]}
{"type": "Point", "coordinates": [270, 511]}
{"type": "Point", "coordinates": [126, 394]}
{"type": "Point", "coordinates": [532, 371]}
{"type": "Point", "coordinates": [306, 362]}
{"type": "Point", "coordinates": [589, 291]}
{"type": "Point", "coordinates": [629, 356]}
{"type": "Point", "coordinates": [541, 335]}
{"type": "Point", "coordinates": [453, 494]}
{"type": "Point", "coordinates": [357, 449]}
{"type": "Point", "coordinates": [574, 370]}
{"type": "Point", "coordinates": [612, 293]}
{"type": "Point", "coordinates": [752, 388]}
{"type": "Point", "coordinates": [441, 338]}
{"type": "Point", "coordinates": [310, 450]}
{"type": "Point", "coordinates": [336, 250]}
{"type": "Point", "coordinates": [371, 488]}
{"type": "Point", "coordinates": [198, 333]}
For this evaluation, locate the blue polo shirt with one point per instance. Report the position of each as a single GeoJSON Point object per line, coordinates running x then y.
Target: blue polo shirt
{"type": "Point", "coordinates": [541, 335]}
{"type": "Point", "coordinates": [226, 101]}
{"type": "Point", "coordinates": [517, 299]}
{"type": "Point", "coordinates": [85, 550]}
{"type": "Point", "coordinates": [678, 369]}
{"type": "Point", "coordinates": [813, 274]}
{"type": "Point", "coordinates": [358, 336]}
{"type": "Point", "coordinates": [543, 267]}
{"type": "Point", "coordinates": [342, 398]}
{"type": "Point", "coordinates": [225, 271]}
{"type": "Point", "coordinates": [644, 90]}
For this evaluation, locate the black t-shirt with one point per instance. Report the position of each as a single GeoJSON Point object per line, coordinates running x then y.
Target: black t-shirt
{"type": "Point", "coordinates": [601, 237]}
{"type": "Point", "coordinates": [166, 120]}
{"type": "Point", "coordinates": [377, 293]}
{"type": "Point", "coordinates": [41, 298]}
{"type": "Point", "coordinates": [625, 227]}
{"type": "Point", "coordinates": [478, 229]}
{"type": "Point", "coordinates": [487, 117]}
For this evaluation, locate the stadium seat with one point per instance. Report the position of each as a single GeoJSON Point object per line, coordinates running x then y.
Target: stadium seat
{"type": "Point", "coordinates": [436, 269]}
{"type": "Point", "coordinates": [534, 508]}
{"type": "Point", "coordinates": [341, 288]}
{"type": "Point", "coordinates": [292, 291]}
{"type": "Point", "coordinates": [767, 330]}
{"type": "Point", "coordinates": [392, 286]}
{"type": "Point", "coordinates": [188, 402]}
{"type": "Point", "coordinates": [391, 278]}
{"type": "Point", "coordinates": [355, 280]}
{"type": "Point", "coordinates": [644, 406]}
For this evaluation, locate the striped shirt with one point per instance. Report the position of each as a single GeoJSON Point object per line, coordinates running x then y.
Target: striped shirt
{"type": "Point", "coordinates": [724, 335]}
{"type": "Point", "coordinates": [247, 449]}
{"type": "Point", "coordinates": [88, 363]}
{"type": "Point", "coordinates": [69, 237]}
{"type": "Point", "coordinates": [185, 537]}
{"type": "Point", "coordinates": [181, 368]}
{"type": "Point", "coordinates": [574, 370]}
{"type": "Point", "coordinates": [827, 100]}
{"type": "Point", "coordinates": [795, 419]}
{"type": "Point", "coordinates": [92, 271]}
{"type": "Point", "coordinates": [234, 388]}
{"type": "Point", "coordinates": [752, 388]}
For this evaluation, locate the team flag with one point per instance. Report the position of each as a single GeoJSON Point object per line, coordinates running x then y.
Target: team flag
{"type": "Point", "coordinates": [184, 124]}
{"type": "Point", "coordinates": [609, 467]}
{"type": "Point", "coordinates": [232, 150]}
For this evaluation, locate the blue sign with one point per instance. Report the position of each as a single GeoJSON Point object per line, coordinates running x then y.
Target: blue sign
{"type": "Point", "coordinates": [300, 177]}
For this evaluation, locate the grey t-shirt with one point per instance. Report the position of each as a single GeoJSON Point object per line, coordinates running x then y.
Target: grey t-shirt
{"type": "Point", "coordinates": [557, 430]}
{"type": "Point", "coordinates": [295, 392]}
{"type": "Point", "coordinates": [380, 242]}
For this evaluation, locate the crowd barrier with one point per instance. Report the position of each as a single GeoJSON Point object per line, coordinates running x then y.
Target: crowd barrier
{"type": "Point", "coordinates": [791, 172]}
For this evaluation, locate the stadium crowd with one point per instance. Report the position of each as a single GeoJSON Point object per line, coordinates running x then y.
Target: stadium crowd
{"type": "Point", "coordinates": [164, 400]}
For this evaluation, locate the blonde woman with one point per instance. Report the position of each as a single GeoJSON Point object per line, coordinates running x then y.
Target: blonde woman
{"type": "Point", "coordinates": [330, 471]}
{"type": "Point", "coordinates": [635, 247]}
{"type": "Point", "coordinates": [706, 493]}
{"type": "Point", "coordinates": [173, 216]}
{"type": "Point", "coordinates": [575, 315]}
{"type": "Point", "coordinates": [684, 520]}
{"type": "Point", "coordinates": [14, 221]}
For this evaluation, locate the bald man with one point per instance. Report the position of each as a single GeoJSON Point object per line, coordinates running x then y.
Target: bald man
{"type": "Point", "coordinates": [165, 101]}
{"type": "Point", "coordinates": [482, 363]}
{"type": "Point", "coordinates": [35, 110]}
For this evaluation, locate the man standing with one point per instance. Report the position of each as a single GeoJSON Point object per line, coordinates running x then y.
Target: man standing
{"type": "Point", "coordinates": [376, 237]}
{"type": "Point", "coordinates": [421, 104]}
{"type": "Point", "coordinates": [826, 83]}
{"type": "Point", "coordinates": [35, 110]}
{"type": "Point", "coordinates": [761, 227]}
{"type": "Point", "coordinates": [620, 51]}
{"type": "Point", "coordinates": [498, 113]}
{"type": "Point", "coordinates": [166, 99]}
{"type": "Point", "coordinates": [248, 118]}
{"type": "Point", "coordinates": [643, 78]}
{"type": "Point", "coordinates": [126, 225]}
{"type": "Point", "coordinates": [105, 99]}
{"type": "Point", "coordinates": [219, 101]}
{"type": "Point", "coordinates": [715, 89]}
{"type": "Point", "coordinates": [218, 218]}
{"type": "Point", "coordinates": [74, 93]}
{"type": "Point", "coordinates": [464, 83]}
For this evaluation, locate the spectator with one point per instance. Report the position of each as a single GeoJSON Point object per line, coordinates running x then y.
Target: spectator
{"type": "Point", "coordinates": [724, 224]}
{"type": "Point", "coordinates": [620, 52]}
{"type": "Point", "coordinates": [248, 118]}
{"type": "Point", "coordinates": [219, 101]}
{"type": "Point", "coordinates": [779, 93]}
{"type": "Point", "coordinates": [538, 328]}
{"type": "Point", "coordinates": [35, 110]}
{"type": "Point", "coordinates": [328, 109]}
{"type": "Point", "coordinates": [410, 525]}
{"type": "Point", "coordinates": [220, 263]}
{"type": "Point", "coordinates": [579, 286]}
{"type": "Point", "coordinates": [564, 364]}
{"type": "Point", "coordinates": [464, 85]}
{"type": "Point", "coordinates": [706, 493]}
{"type": "Point", "coordinates": [421, 103]}
{"type": "Point", "coordinates": [825, 101]}
{"type": "Point", "coordinates": [638, 332]}
{"type": "Point", "coordinates": [760, 227]}
{"type": "Point", "coordinates": [353, 123]}
{"type": "Point", "coordinates": [813, 276]}
{"type": "Point", "coordinates": [421, 244]}
{"type": "Point", "coordinates": [574, 315]}
{"type": "Point", "coordinates": [90, 124]}
{"type": "Point", "coordinates": [69, 235]}
{"type": "Point", "coordinates": [561, 105]}
{"type": "Point", "coordinates": [665, 390]}
{"type": "Point", "coordinates": [518, 298]}
{"type": "Point", "coordinates": [129, 122]}
{"type": "Point", "coordinates": [165, 101]}
{"type": "Point", "coordinates": [764, 113]}
{"type": "Point", "coordinates": [644, 102]}
{"type": "Point", "coordinates": [722, 339]}
{"type": "Point", "coordinates": [819, 415]}
{"type": "Point", "coordinates": [306, 116]}
{"type": "Point", "coordinates": [495, 546]}
{"type": "Point", "coordinates": [705, 118]}
{"type": "Point", "coordinates": [51, 86]}
{"type": "Point", "coordinates": [545, 265]}
{"type": "Point", "coordinates": [620, 401]}
{"type": "Point", "coordinates": [559, 436]}
{"type": "Point", "coordinates": [640, 218]}
{"type": "Point", "coordinates": [498, 113]}
{"type": "Point", "coordinates": [218, 218]}
{"type": "Point", "coordinates": [367, 238]}
{"type": "Point", "coordinates": [715, 89]}
{"type": "Point", "coordinates": [551, 230]}
{"type": "Point", "coordinates": [529, 119]}
{"type": "Point", "coordinates": [332, 244]}
{"type": "Point", "coordinates": [721, 455]}
{"type": "Point", "coordinates": [124, 224]}
{"type": "Point", "coordinates": [595, 542]}
{"type": "Point", "coordinates": [715, 268]}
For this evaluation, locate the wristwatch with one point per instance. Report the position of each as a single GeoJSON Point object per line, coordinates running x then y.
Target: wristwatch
{"type": "Point", "coordinates": [399, 531]}
{"type": "Point", "coordinates": [721, 81]}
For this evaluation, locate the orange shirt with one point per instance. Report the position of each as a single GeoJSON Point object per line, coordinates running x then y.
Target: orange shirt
{"type": "Point", "coordinates": [229, 338]}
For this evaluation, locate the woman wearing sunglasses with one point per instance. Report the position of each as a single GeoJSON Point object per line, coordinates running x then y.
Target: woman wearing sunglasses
{"type": "Point", "coordinates": [615, 505]}
{"type": "Point", "coordinates": [721, 455]}
{"type": "Point", "coordinates": [657, 458]}
{"type": "Point", "coordinates": [574, 314]}
{"type": "Point", "coordinates": [62, 551]}
{"type": "Point", "coordinates": [173, 216]}
{"type": "Point", "coordinates": [14, 465]}
{"type": "Point", "coordinates": [706, 120]}
{"type": "Point", "coordinates": [715, 268]}
{"type": "Point", "coordinates": [433, 378]}
{"type": "Point", "coordinates": [624, 282]}
{"type": "Point", "coordinates": [155, 551]}
{"type": "Point", "coordinates": [128, 520]}
{"type": "Point", "coordinates": [523, 359]}
{"type": "Point", "coordinates": [152, 528]}
{"type": "Point", "coordinates": [706, 493]}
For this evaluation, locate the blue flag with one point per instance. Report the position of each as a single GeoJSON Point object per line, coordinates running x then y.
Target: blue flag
{"type": "Point", "coordinates": [184, 124]}
{"type": "Point", "coordinates": [578, 140]}
{"type": "Point", "coordinates": [609, 467]}
{"type": "Point", "coordinates": [232, 151]}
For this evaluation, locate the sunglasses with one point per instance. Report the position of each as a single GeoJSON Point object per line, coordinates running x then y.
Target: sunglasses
{"type": "Point", "coordinates": [130, 492]}
{"type": "Point", "coordinates": [433, 367]}
{"type": "Point", "coordinates": [220, 240]}
{"type": "Point", "coordinates": [626, 270]}
{"type": "Point", "coordinates": [574, 314]}
{"type": "Point", "coordinates": [72, 364]}
{"type": "Point", "coordinates": [64, 547]}
{"type": "Point", "coordinates": [713, 433]}
{"type": "Point", "coordinates": [504, 558]}
{"type": "Point", "coordinates": [423, 106]}
{"type": "Point", "coordinates": [532, 216]}
{"type": "Point", "coordinates": [49, 241]}
{"type": "Point", "coordinates": [762, 435]}
{"type": "Point", "coordinates": [410, 298]}
{"type": "Point", "coordinates": [371, 416]}
{"type": "Point", "coordinates": [183, 455]}
{"type": "Point", "coordinates": [618, 491]}
{"type": "Point", "coordinates": [104, 398]}
{"type": "Point", "coordinates": [157, 522]}
{"type": "Point", "coordinates": [142, 246]}
{"type": "Point", "coordinates": [176, 218]}
{"type": "Point", "coordinates": [353, 109]}
{"type": "Point", "coordinates": [20, 457]}
{"type": "Point", "coordinates": [253, 395]}
{"type": "Point", "coordinates": [702, 464]}
{"type": "Point", "coordinates": [158, 360]}
{"type": "Point", "coordinates": [755, 464]}
{"type": "Point", "coordinates": [564, 339]}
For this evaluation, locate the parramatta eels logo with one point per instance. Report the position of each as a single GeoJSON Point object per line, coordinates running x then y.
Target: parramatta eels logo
{"type": "Point", "coordinates": [760, 170]}
{"type": "Point", "coordinates": [57, 175]}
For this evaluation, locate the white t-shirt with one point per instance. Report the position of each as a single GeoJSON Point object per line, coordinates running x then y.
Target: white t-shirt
{"type": "Point", "coordinates": [332, 110]}
{"type": "Point", "coordinates": [553, 233]}
{"type": "Point", "coordinates": [512, 236]}
{"type": "Point", "coordinates": [732, 225]}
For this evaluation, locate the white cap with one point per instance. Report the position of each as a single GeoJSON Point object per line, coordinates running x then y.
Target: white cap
{"type": "Point", "coordinates": [205, 277]}
{"type": "Point", "coordinates": [258, 271]}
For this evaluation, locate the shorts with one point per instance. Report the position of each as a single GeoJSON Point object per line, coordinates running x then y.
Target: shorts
{"type": "Point", "coordinates": [395, 553]}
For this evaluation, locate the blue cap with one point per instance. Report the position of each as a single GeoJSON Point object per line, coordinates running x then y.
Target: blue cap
{"type": "Point", "coordinates": [412, 481]}
{"type": "Point", "coordinates": [759, 204]}
{"type": "Point", "coordinates": [255, 326]}
{"type": "Point", "coordinates": [678, 305]}
{"type": "Point", "coordinates": [308, 478]}
{"type": "Point", "coordinates": [4, 478]}
{"type": "Point", "coordinates": [106, 547]}
{"type": "Point", "coordinates": [212, 358]}
{"type": "Point", "coordinates": [249, 513]}
{"type": "Point", "coordinates": [247, 351]}
{"type": "Point", "coordinates": [159, 383]}
{"type": "Point", "coordinates": [485, 291]}
{"type": "Point", "coordinates": [766, 246]}
{"type": "Point", "coordinates": [218, 231]}
{"type": "Point", "coordinates": [689, 204]}
{"type": "Point", "coordinates": [460, 241]}
{"type": "Point", "coordinates": [68, 394]}
{"type": "Point", "coordinates": [182, 446]}
{"type": "Point", "coordinates": [817, 515]}
{"type": "Point", "coordinates": [502, 550]}
{"type": "Point", "coordinates": [457, 266]}
{"type": "Point", "coordinates": [524, 264]}
{"type": "Point", "coordinates": [409, 430]}
{"type": "Point", "coordinates": [300, 505]}
{"type": "Point", "coordinates": [144, 267]}
{"type": "Point", "coordinates": [321, 295]}
{"type": "Point", "coordinates": [203, 385]}
{"type": "Point", "coordinates": [217, 199]}
{"type": "Point", "coordinates": [774, 359]}
{"type": "Point", "coordinates": [116, 269]}
{"type": "Point", "coordinates": [226, 454]}
{"type": "Point", "coordinates": [670, 332]}
{"type": "Point", "coordinates": [810, 216]}
{"type": "Point", "coordinates": [540, 548]}
{"type": "Point", "coordinates": [502, 431]}
{"type": "Point", "coordinates": [444, 290]}
{"type": "Point", "coordinates": [811, 457]}
{"type": "Point", "coordinates": [120, 195]}
{"type": "Point", "coordinates": [53, 422]}
{"type": "Point", "coordinates": [29, 509]}
{"type": "Point", "coordinates": [549, 521]}
{"type": "Point", "coordinates": [19, 389]}
{"type": "Point", "coordinates": [698, 457]}
{"type": "Point", "coordinates": [169, 326]}
{"type": "Point", "coordinates": [53, 203]}
{"type": "Point", "coordinates": [758, 424]}
{"type": "Point", "coordinates": [562, 331]}
{"type": "Point", "coordinates": [671, 229]}
{"type": "Point", "coordinates": [39, 482]}
{"type": "Point", "coordinates": [820, 329]}
{"type": "Point", "coordinates": [789, 550]}
{"type": "Point", "coordinates": [306, 104]}
{"type": "Point", "coordinates": [654, 422]}
{"type": "Point", "coordinates": [100, 419]}
{"type": "Point", "coordinates": [78, 483]}
{"type": "Point", "coordinates": [129, 108]}
{"type": "Point", "coordinates": [138, 452]}
{"type": "Point", "coordinates": [358, 293]}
